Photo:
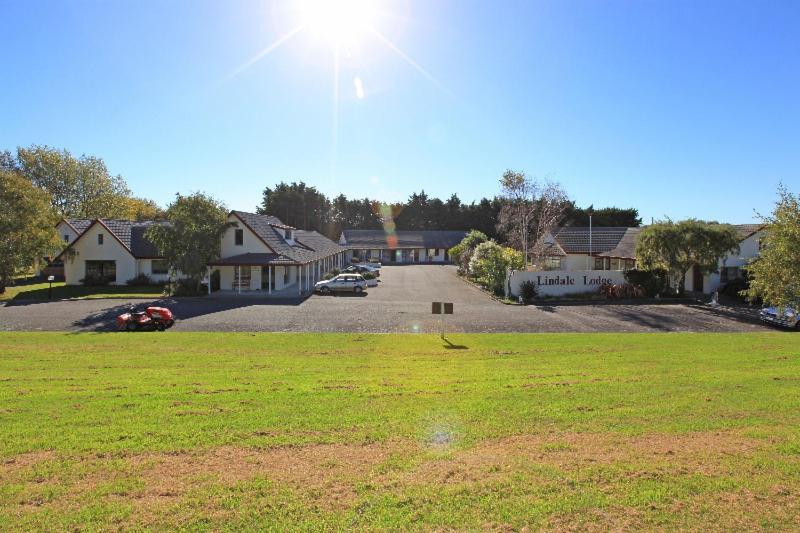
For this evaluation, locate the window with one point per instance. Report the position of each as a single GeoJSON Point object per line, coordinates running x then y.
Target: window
{"type": "Point", "coordinates": [159, 266]}
{"type": "Point", "coordinates": [238, 237]}
{"type": "Point", "coordinates": [101, 271]}
{"type": "Point", "coordinates": [288, 234]}
{"type": "Point", "coordinates": [100, 239]}
{"type": "Point", "coordinates": [66, 237]}
{"type": "Point", "coordinates": [552, 263]}
{"type": "Point", "coordinates": [285, 275]}
{"type": "Point", "coordinates": [599, 263]}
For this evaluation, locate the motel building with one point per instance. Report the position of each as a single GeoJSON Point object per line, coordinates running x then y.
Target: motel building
{"type": "Point", "coordinates": [399, 247]}
{"type": "Point", "coordinates": [574, 260]}
{"type": "Point", "coordinates": [259, 255]}
{"type": "Point", "coordinates": [113, 251]}
{"type": "Point", "coordinates": [262, 255]}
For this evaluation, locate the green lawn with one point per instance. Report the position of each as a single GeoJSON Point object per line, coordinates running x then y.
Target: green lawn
{"type": "Point", "coordinates": [39, 291]}
{"type": "Point", "coordinates": [179, 431]}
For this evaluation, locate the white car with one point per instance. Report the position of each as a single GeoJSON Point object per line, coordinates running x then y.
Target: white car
{"type": "Point", "coordinates": [342, 283]}
{"type": "Point", "coordinates": [789, 317]}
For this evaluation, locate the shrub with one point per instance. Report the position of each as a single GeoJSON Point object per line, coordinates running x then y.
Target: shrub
{"type": "Point", "coordinates": [215, 281]}
{"type": "Point", "coordinates": [654, 282]}
{"type": "Point", "coordinates": [527, 290]}
{"type": "Point", "coordinates": [368, 275]}
{"type": "Point", "coordinates": [736, 288]}
{"type": "Point", "coordinates": [461, 253]}
{"type": "Point", "coordinates": [96, 281]}
{"type": "Point", "coordinates": [623, 291]}
{"type": "Point", "coordinates": [490, 263]}
{"type": "Point", "coordinates": [186, 287]}
{"type": "Point", "coordinates": [141, 279]}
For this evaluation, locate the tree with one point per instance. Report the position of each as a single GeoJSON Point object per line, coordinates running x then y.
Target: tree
{"type": "Point", "coordinates": [530, 208]}
{"type": "Point", "coordinates": [461, 253]}
{"type": "Point", "coordinates": [27, 229]}
{"type": "Point", "coordinates": [490, 264]}
{"type": "Point", "coordinates": [191, 237]}
{"type": "Point", "coordinates": [603, 217]}
{"type": "Point", "coordinates": [297, 204]}
{"type": "Point", "coordinates": [79, 187]}
{"type": "Point", "coordinates": [144, 209]}
{"type": "Point", "coordinates": [775, 274]}
{"type": "Point", "coordinates": [679, 246]}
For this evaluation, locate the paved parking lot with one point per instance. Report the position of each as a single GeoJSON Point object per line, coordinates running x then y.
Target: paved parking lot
{"type": "Point", "coordinates": [401, 303]}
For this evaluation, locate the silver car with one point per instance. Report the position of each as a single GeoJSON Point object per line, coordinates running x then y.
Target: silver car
{"type": "Point", "coordinates": [342, 283]}
{"type": "Point", "coordinates": [787, 317]}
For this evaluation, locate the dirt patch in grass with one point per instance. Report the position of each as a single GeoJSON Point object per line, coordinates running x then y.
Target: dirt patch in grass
{"type": "Point", "coordinates": [705, 453]}
{"type": "Point", "coordinates": [329, 471]}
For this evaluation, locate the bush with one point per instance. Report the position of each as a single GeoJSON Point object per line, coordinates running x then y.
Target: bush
{"type": "Point", "coordinates": [654, 282]}
{"type": "Point", "coordinates": [215, 281]}
{"type": "Point", "coordinates": [368, 275]}
{"type": "Point", "coordinates": [490, 263]}
{"type": "Point", "coordinates": [186, 287]}
{"type": "Point", "coordinates": [623, 291]}
{"type": "Point", "coordinates": [527, 290]}
{"type": "Point", "coordinates": [735, 288]}
{"type": "Point", "coordinates": [140, 280]}
{"type": "Point", "coordinates": [96, 281]}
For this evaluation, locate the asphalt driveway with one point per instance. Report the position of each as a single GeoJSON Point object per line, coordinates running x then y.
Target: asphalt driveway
{"type": "Point", "coordinates": [401, 303]}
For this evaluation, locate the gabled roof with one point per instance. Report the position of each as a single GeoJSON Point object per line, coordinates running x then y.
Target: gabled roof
{"type": "Point", "coordinates": [78, 224]}
{"type": "Point", "coordinates": [308, 245]}
{"type": "Point", "coordinates": [129, 233]}
{"type": "Point", "coordinates": [746, 230]}
{"type": "Point", "coordinates": [605, 241]}
{"type": "Point", "coordinates": [378, 238]}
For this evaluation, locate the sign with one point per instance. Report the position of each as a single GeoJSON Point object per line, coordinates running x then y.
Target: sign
{"type": "Point", "coordinates": [565, 282]}
{"type": "Point", "coordinates": [442, 308]}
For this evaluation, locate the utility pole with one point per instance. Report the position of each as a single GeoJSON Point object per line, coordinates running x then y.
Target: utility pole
{"type": "Point", "coordinates": [590, 243]}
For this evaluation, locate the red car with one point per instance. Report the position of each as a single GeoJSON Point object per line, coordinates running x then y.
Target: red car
{"type": "Point", "coordinates": [151, 319]}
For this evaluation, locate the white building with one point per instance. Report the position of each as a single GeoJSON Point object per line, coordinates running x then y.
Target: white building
{"type": "Point", "coordinates": [424, 246]}
{"type": "Point", "coordinates": [113, 250]}
{"type": "Point", "coordinates": [259, 253]}
{"type": "Point", "coordinates": [730, 266]}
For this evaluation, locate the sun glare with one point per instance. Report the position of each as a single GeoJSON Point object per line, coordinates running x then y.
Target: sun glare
{"type": "Point", "coordinates": [338, 21]}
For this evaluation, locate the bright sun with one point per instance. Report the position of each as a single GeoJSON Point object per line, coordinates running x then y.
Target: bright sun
{"type": "Point", "coordinates": [338, 21]}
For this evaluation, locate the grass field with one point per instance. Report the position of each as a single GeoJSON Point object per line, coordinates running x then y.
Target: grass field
{"type": "Point", "coordinates": [39, 291]}
{"type": "Point", "coordinates": [293, 431]}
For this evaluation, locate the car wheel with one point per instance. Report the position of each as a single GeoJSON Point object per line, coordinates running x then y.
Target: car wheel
{"type": "Point", "coordinates": [131, 326]}
{"type": "Point", "coordinates": [358, 290]}
{"type": "Point", "coordinates": [160, 327]}
{"type": "Point", "coordinates": [325, 290]}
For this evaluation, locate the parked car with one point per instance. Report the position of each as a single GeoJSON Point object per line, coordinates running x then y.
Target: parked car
{"type": "Point", "coordinates": [788, 317]}
{"type": "Point", "coordinates": [348, 282]}
{"type": "Point", "coordinates": [362, 269]}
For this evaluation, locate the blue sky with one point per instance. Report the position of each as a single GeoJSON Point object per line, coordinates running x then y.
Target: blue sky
{"type": "Point", "coordinates": [678, 108]}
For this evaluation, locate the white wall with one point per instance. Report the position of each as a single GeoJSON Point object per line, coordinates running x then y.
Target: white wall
{"type": "Point", "coordinates": [748, 250]}
{"type": "Point", "coordinates": [65, 229]}
{"type": "Point", "coordinates": [87, 249]}
{"type": "Point", "coordinates": [563, 282]}
{"type": "Point", "coordinates": [251, 244]}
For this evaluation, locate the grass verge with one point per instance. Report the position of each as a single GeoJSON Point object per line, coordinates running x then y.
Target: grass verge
{"type": "Point", "coordinates": [61, 291]}
{"type": "Point", "coordinates": [307, 431]}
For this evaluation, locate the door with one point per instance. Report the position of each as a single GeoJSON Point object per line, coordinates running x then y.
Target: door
{"type": "Point", "coordinates": [241, 278]}
{"type": "Point", "coordinates": [697, 279]}
{"type": "Point", "coordinates": [393, 256]}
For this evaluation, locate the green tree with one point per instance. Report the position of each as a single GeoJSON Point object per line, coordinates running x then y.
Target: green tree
{"type": "Point", "coordinates": [27, 229]}
{"type": "Point", "coordinates": [490, 264]}
{"type": "Point", "coordinates": [79, 187]}
{"type": "Point", "coordinates": [298, 205]}
{"type": "Point", "coordinates": [191, 237]}
{"type": "Point", "coordinates": [679, 246]}
{"type": "Point", "coordinates": [775, 274]}
{"type": "Point", "coordinates": [461, 253]}
{"type": "Point", "coordinates": [144, 209]}
{"type": "Point", "coordinates": [602, 217]}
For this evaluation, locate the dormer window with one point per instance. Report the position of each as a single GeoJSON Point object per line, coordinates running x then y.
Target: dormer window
{"type": "Point", "coordinates": [100, 239]}
{"type": "Point", "coordinates": [238, 237]}
{"type": "Point", "coordinates": [66, 237]}
{"type": "Point", "coordinates": [288, 234]}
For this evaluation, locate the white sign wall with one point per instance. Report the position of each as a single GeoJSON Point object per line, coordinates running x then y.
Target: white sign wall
{"type": "Point", "coordinates": [563, 282]}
